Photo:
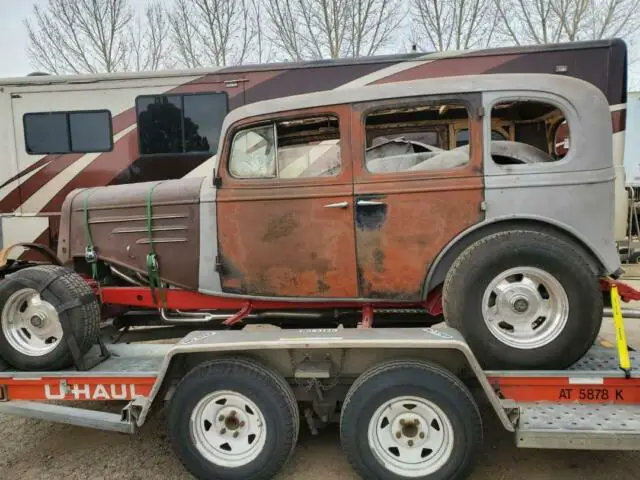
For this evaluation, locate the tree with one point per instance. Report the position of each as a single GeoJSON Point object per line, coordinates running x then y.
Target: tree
{"type": "Point", "coordinates": [80, 36]}
{"type": "Point", "coordinates": [212, 32]}
{"type": "Point", "coordinates": [453, 24]}
{"type": "Point", "coordinates": [545, 21]}
{"type": "Point", "coordinates": [373, 25]}
{"type": "Point", "coordinates": [149, 45]}
{"type": "Point", "coordinates": [304, 29]}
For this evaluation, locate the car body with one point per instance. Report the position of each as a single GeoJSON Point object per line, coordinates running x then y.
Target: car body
{"type": "Point", "coordinates": [357, 233]}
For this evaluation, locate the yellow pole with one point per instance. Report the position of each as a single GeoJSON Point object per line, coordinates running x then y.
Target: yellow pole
{"type": "Point", "coordinates": [621, 337]}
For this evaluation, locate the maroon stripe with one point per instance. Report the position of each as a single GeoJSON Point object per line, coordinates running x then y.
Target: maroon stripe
{"type": "Point", "coordinates": [30, 168]}
{"type": "Point", "coordinates": [619, 120]}
{"type": "Point", "coordinates": [448, 67]}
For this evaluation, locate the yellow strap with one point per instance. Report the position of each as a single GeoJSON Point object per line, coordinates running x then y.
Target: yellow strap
{"type": "Point", "coordinates": [621, 337]}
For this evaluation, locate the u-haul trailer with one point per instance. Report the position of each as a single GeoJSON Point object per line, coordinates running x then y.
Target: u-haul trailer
{"type": "Point", "coordinates": [402, 397]}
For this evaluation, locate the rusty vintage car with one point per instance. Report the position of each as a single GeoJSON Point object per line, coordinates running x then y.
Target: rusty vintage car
{"type": "Point", "coordinates": [466, 192]}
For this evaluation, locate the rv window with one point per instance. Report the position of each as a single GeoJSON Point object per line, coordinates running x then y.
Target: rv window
{"type": "Point", "coordinates": [177, 124]}
{"type": "Point", "coordinates": [67, 132]}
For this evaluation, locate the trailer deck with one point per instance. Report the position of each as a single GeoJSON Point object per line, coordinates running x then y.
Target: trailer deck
{"type": "Point", "coordinates": [593, 399]}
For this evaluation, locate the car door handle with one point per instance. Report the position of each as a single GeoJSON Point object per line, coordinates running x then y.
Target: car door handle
{"type": "Point", "coordinates": [337, 205]}
{"type": "Point", "coordinates": [368, 203]}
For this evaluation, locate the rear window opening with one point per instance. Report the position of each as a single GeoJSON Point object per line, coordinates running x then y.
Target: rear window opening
{"type": "Point", "coordinates": [526, 132]}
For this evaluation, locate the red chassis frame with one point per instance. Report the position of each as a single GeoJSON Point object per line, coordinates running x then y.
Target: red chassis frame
{"type": "Point", "coordinates": [176, 299]}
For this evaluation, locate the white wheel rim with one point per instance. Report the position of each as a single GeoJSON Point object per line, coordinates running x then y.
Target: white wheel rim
{"type": "Point", "coordinates": [30, 324]}
{"type": "Point", "coordinates": [411, 436]}
{"type": "Point", "coordinates": [525, 307]}
{"type": "Point", "coordinates": [228, 429]}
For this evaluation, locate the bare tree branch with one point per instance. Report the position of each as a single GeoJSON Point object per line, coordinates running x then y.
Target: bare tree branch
{"type": "Point", "coordinates": [149, 40]}
{"type": "Point", "coordinates": [213, 32]}
{"type": "Point", "coordinates": [91, 36]}
{"type": "Point", "coordinates": [545, 21]}
{"type": "Point", "coordinates": [452, 24]}
{"type": "Point", "coordinates": [309, 29]}
{"type": "Point", "coordinates": [373, 24]}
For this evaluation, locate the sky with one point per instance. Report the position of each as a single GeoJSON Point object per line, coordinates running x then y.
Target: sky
{"type": "Point", "coordinates": [13, 40]}
{"type": "Point", "coordinates": [13, 37]}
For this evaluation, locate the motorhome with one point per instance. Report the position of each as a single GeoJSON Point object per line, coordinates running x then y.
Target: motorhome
{"type": "Point", "coordinates": [59, 133]}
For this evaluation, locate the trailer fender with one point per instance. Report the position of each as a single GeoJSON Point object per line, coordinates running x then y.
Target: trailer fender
{"type": "Point", "coordinates": [393, 343]}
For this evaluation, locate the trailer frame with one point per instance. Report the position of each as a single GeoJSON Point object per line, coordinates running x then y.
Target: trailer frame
{"type": "Point", "coordinates": [595, 404]}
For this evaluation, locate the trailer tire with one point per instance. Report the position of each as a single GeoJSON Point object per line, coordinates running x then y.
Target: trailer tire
{"type": "Point", "coordinates": [50, 295]}
{"type": "Point", "coordinates": [378, 415]}
{"type": "Point", "coordinates": [242, 397]}
{"type": "Point", "coordinates": [524, 300]}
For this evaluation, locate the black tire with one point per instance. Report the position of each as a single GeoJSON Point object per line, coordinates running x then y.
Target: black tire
{"type": "Point", "coordinates": [270, 393]}
{"type": "Point", "coordinates": [479, 264]}
{"type": "Point", "coordinates": [61, 286]}
{"type": "Point", "coordinates": [410, 378]}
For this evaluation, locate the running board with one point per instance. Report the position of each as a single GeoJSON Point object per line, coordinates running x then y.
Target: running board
{"type": "Point", "coordinates": [80, 417]}
{"type": "Point", "coordinates": [578, 427]}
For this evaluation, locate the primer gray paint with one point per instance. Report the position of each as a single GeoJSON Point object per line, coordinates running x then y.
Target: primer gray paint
{"type": "Point", "coordinates": [575, 193]}
{"type": "Point", "coordinates": [208, 276]}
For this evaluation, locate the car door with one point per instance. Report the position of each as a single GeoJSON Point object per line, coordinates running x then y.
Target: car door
{"type": "Point", "coordinates": [414, 190]}
{"type": "Point", "coordinates": [285, 210]}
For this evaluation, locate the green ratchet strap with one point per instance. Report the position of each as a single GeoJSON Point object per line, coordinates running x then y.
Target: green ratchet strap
{"type": "Point", "coordinates": [90, 253]}
{"type": "Point", "coordinates": [153, 267]}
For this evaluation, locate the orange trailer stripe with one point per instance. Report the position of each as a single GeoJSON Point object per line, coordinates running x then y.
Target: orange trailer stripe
{"type": "Point", "coordinates": [77, 388]}
{"type": "Point", "coordinates": [569, 389]}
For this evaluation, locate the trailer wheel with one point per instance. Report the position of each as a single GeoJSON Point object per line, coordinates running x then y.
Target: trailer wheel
{"type": "Point", "coordinates": [233, 418]}
{"type": "Point", "coordinates": [410, 420]}
{"type": "Point", "coordinates": [523, 300]}
{"type": "Point", "coordinates": [31, 333]}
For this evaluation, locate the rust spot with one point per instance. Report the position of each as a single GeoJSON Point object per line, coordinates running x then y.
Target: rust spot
{"type": "Point", "coordinates": [280, 227]}
{"type": "Point", "coordinates": [322, 286]}
{"type": "Point", "coordinates": [378, 260]}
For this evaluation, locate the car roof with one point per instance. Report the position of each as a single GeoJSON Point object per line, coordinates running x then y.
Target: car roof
{"type": "Point", "coordinates": [577, 92]}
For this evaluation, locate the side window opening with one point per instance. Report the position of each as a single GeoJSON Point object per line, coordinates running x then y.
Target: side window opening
{"type": "Point", "coordinates": [79, 131]}
{"type": "Point", "coordinates": [538, 132]}
{"type": "Point", "coordinates": [297, 148]}
{"type": "Point", "coordinates": [416, 138]}
{"type": "Point", "coordinates": [181, 123]}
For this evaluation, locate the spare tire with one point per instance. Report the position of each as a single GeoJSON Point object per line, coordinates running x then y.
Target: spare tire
{"type": "Point", "coordinates": [524, 300]}
{"type": "Point", "coordinates": [35, 304]}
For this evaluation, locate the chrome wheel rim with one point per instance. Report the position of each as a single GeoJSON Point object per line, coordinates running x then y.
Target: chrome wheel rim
{"type": "Point", "coordinates": [228, 429]}
{"type": "Point", "coordinates": [525, 307]}
{"type": "Point", "coordinates": [30, 324]}
{"type": "Point", "coordinates": [411, 436]}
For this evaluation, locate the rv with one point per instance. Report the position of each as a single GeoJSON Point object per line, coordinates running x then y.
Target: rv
{"type": "Point", "coordinates": [59, 133]}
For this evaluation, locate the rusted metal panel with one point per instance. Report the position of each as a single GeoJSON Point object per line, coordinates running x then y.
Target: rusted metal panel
{"type": "Point", "coordinates": [276, 236]}
{"type": "Point", "coordinates": [420, 213]}
{"type": "Point", "coordinates": [118, 226]}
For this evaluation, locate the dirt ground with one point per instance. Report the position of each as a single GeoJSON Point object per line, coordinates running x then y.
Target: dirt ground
{"type": "Point", "coordinates": [32, 449]}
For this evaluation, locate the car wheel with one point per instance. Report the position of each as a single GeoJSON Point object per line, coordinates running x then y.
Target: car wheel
{"type": "Point", "coordinates": [410, 420]}
{"type": "Point", "coordinates": [524, 300]}
{"type": "Point", "coordinates": [233, 418]}
{"type": "Point", "coordinates": [31, 323]}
